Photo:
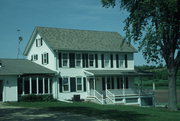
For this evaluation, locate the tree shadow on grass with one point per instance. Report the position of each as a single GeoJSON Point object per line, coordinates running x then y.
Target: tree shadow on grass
{"type": "Point", "coordinates": [101, 114]}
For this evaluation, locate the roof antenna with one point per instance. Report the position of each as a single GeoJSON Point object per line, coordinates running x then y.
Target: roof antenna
{"type": "Point", "coordinates": [20, 38]}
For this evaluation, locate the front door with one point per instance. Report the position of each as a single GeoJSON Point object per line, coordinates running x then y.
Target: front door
{"type": "Point", "coordinates": [1, 90]}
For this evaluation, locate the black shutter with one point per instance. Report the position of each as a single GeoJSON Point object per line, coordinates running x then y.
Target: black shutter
{"type": "Point", "coordinates": [102, 60]}
{"type": "Point", "coordinates": [84, 61]}
{"type": "Point", "coordinates": [118, 86]}
{"type": "Point", "coordinates": [42, 58]}
{"type": "Point", "coordinates": [96, 60]}
{"type": "Point", "coordinates": [41, 41]}
{"type": "Point", "coordinates": [47, 58]}
{"type": "Point", "coordinates": [112, 82]}
{"type": "Point", "coordinates": [117, 60]}
{"type": "Point", "coordinates": [111, 57]}
{"type": "Point", "coordinates": [103, 83]}
{"type": "Point", "coordinates": [121, 82]}
{"type": "Point", "coordinates": [84, 79]}
{"type": "Point", "coordinates": [125, 58]}
{"type": "Point", "coordinates": [86, 56]}
{"type": "Point", "coordinates": [127, 83]}
{"type": "Point", "coordinates": [73, 84]}
{"type": "Point", "coordinates": [72, 60]}
{"type": "Point", "coordinates": [60, 60]}
{"type": "Point", "coordinates": [60, 84]}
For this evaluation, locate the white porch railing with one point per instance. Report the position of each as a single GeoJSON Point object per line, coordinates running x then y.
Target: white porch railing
{"type": "Point", "coordinates": [110, 96]}
{"type": "Point", "coordinates": [96, 95]}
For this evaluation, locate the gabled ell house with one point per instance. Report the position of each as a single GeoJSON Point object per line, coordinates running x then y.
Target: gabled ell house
{"type": "Point", "coordinates": [90, 65]}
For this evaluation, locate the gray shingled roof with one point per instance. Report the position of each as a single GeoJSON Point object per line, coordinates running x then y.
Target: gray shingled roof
{"type": "Point", "coordinates": [22, 66]}
{"type": "Point", "coordinates": [119, 72]}
{"type": "Point", "coordinates": [84, 40]}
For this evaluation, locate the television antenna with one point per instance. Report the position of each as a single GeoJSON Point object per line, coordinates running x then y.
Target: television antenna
{"type": "Point", "coordinates": [20, 38]}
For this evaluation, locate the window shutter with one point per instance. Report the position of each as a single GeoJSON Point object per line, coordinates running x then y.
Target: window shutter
{"type": "Point", "coordinates": [47, 58]}
{"type": "Point", "coordinates": [96, 60]}
{"type": "Point", "coordinates": [83, 60]}
{"type": "Point", "coordinates": [71, 60]}
{"type": "Point", "coordinates": [41, 41]}
{"type": "Point", "coordinates": [118, 86]}
{"type": "Point", "coordinates": [125, 58]}
{"type": "Point", "coordinates": [111, 57]}
{"type": "Point", "coordinates": [117, 60]}
{"type": "Point", "coordinates": [36, 42]}
{"type": "Point", "coordinates": [60, 60]}
{"type": "Point", "coordinates": [127, 83]}
{"type": "Point", "coordinates": [121, 83]}
{"type": "Point", "coordinates": [86, 56]}
{"type": "Point", "coordinates": [73, 84]}
{"type": "Point", "coordinates": [60, 84]}
{"type": "Point", "coordinates": [42, 59]}
{"type": "Point", "coordinates": [102, 60]}
{"type": "Point", "coordinates": [112, 82]}
{"type": "Point", "coordinates": [103, 83]}
{"type": "Point", "coordinates": [84, 79]}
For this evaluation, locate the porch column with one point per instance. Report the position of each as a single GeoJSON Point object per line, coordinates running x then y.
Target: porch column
{"type": "Point", "coordinates": [123, 86]}
{"type": "Point", "coordinates": [30, 85]}
{"type": "Point", "coordinates": [94, 85]}
{"type": "Point", "coordinates": [43, 85]}
{"type": "Point", "coordinates": [48, 86]}
{"type": "Point", "coordinates": [37, 85]}
{"type": "Point", "coordinates": [23, 85]}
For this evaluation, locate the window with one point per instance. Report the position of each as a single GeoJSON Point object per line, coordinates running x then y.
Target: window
{"type": "Point", "coordinates": [108, 83]}
{"type": "Point", "coordinates": [121, 63]}
{"type": "Point", "coordinates": [34, 57]}
{"type": "Point", "coordinates": [78, 60]}
{"type": "Point", "coordinates": [91, 60]}
{"type": "Point", "coordinates": [107, 61]}
{"type": "Point", "coordinates": [65, 84]}
{"type": "Point", "coordinates": [65, 59]}
{"type": "Point", "coordinates": [45, 58]}
{"type": "Point", "coordinates": [79, 83]}
{"type": "Point", "coordinates": [39, 42]}
{"type": "Point", "coordinates": [125, 58]}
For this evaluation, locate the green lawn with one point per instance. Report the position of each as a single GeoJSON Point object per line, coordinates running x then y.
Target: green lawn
{"type": "Point", "coordinates": [111, 112]}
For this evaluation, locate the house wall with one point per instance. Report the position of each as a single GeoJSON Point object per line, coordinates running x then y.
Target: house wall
{"type": "Point", "coordinates": [9, 88]}
{"type": "Point", "coordinates": [39, 51]}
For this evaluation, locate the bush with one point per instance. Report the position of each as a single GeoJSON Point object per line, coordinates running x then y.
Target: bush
{"type": "Point", "coordinates": [36, 98]}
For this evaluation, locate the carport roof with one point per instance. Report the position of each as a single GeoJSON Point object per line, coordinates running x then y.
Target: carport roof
{"type": "Point", "coordinates": [21, 66]}
{"type": "Point", "coordinates": [118, 73]}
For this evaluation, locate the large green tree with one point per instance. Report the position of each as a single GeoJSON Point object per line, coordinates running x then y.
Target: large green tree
{"type": "Point", "coordinates": [155, 25]}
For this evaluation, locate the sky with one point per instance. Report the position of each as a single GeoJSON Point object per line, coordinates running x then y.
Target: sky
{"type": "Point", "coordinates": [25, 15]}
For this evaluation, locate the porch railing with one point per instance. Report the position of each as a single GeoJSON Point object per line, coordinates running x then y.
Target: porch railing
{"type": "Point", "coordinates": [96, 95]}
{"type": "Point", "coordinates": [110, 96]}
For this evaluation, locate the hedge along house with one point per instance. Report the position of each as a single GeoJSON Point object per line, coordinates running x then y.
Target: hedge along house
{"type": "Point", "coordinates": [91, 65]}
{"type": "Point", "coordinates": [21, 76]}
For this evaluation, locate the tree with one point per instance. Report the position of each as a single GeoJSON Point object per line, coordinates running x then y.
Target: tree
{"type": "Point", "coordinates": [155, 25]}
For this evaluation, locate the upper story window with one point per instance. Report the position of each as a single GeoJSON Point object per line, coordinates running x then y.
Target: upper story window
{"type": "Point", "coordinates": [107, 60]}
{"type": "Point", "coordinates": [126, 60]}
{"type": "Point", "coordinates": [91, 60]}
{"type": "Point", "coordinates": [34, 57]}
{"type": "Point", "coordinates": [65, 84]}
{"type": "Point", "coordinates": [39, 42]}
{"type": "Point", "coordinates": [121, 63]}
{"type": "Point", "coordinates": [45, 58]}
{"type": "Point", "coordinates": [78, 60]}
{"type": "Point", "coordinates": [79, 83]}
{"type": "Point", "coordinates": [64, 59]}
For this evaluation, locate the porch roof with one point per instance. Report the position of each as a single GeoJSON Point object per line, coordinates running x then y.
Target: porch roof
{"type": "Point", "coordinates": [117, 73]}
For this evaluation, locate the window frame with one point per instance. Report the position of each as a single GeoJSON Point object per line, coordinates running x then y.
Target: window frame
{"type": "Point", "coordinates": [93, 60]}
{"type": "Point", "coordinates": [79, 59]}
{"type": "Point", "coordinates": [45, 60]}
{"type": "Point", "coordinates": [39, 42]}
{"type": "Point", "coordinates": [79, 84]}
{"type": "Point", "coordinates": [105, 59]}
{"type": "Point", "coordinates": [67, 59]}
{"type": "Point", "coordinates": [34, 57]}
{"type": "Point", "coordinates": [65, 84]}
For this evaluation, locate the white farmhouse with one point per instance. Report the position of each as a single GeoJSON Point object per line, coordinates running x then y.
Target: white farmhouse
{"type": "Point", "coordinates": [86, 65]}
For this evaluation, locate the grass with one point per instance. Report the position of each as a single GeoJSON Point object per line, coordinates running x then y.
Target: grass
{"type": "Point", "coordinates": [110, 112]}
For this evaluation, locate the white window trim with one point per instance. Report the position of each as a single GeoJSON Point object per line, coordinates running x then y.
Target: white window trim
{"type": "Point", "coordinates": [67, 60]}
{"type": "Point", "coordinates": [81, 84]}
{"type": "Point", "coordinates": [33, 58]}
{"type": "Point", "coordinates": [109, 66]}
{"type": "Point", "coordinates": [67, 84]}
{"type": "Point", "coordinates": [80, 60]}
{"type": "Point", "coordinates": [93, 60]}
{"type": "Point", "coordinates": [38, 41]}
{"type": "Point", "coordinates": [45, 63]}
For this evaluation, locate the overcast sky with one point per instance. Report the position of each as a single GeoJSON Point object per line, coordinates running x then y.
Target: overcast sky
{"type": "Point", "coordinates": [72, 14]}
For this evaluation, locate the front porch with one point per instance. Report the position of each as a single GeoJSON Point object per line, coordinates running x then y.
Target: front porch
{"type": "Point", "coordinates": [118, 89]}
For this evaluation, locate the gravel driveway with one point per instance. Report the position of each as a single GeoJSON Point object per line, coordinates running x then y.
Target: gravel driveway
{"type": "Point", "coordinates": [18, 113]}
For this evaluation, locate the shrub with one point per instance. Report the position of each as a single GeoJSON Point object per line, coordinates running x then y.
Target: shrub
{"type": "Point", "coordinates": [36, 98]}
